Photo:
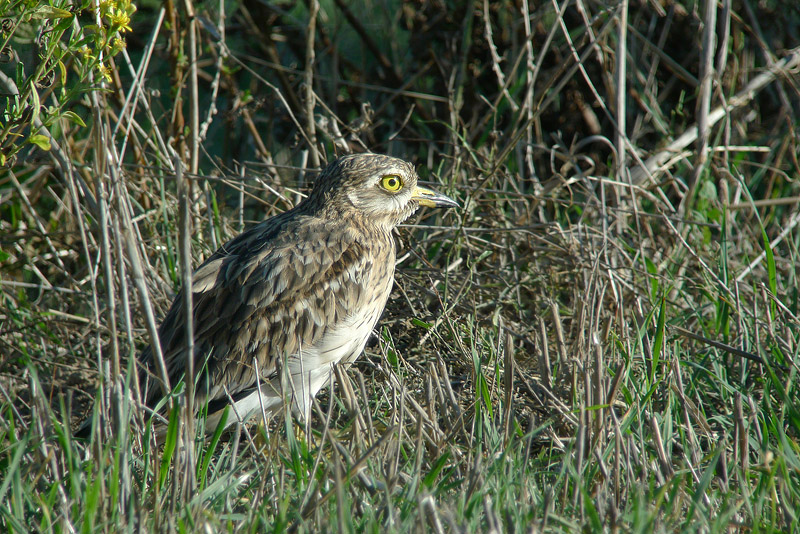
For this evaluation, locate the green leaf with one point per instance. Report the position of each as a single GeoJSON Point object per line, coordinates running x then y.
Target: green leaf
{"type": "Point", "coordinates": [73, 117]}
{"type": "Point", "coordinates": [63, 69]}
{"type": "Point", "coordinates": [42, 141]}
{"type": "Point", "coordinates": [92, 498]}
{"type": "Point", "coordinates": [212, 446]}
{"type": "Point", "coordinates": [485, 254]}
{"type": "Point", "coordinates": [662, 314]}
{"type": "Point", "coordinates": [12, 463]}
{"type": "Point", "coordinates": [437, 467]}
{"type": "Point", "coordinates": [391, 356]}
{"type": "Point", "coordinates": [421, 324]}
{"type": "Point", "coordinates": [35, 105]}
{"type": "Point", "coordinates": [51, 12]}
{"type": "Point", "coordinates": [770, 257]}
{"type": "Point", "coordinates": [170, 444]}
{"type": "Point", "coordinates": [652, 270]}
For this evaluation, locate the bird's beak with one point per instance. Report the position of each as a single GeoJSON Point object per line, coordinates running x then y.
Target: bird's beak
{"type": "Point", "coordinates": [432, 199]}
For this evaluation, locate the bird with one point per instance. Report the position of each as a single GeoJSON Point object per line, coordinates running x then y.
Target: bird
{"type": "Point", "coordinates": [278, 306]}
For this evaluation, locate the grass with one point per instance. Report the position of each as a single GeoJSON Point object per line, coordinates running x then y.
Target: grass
{"type": "Point", "coordinates": [604, 337]}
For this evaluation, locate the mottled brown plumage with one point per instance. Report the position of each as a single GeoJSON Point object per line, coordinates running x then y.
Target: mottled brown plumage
{"type": "Point", "coordinates": [300, 291]}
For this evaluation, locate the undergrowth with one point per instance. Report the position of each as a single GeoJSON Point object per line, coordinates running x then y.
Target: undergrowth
{"type": "Point", "coordinates": [603, 337]}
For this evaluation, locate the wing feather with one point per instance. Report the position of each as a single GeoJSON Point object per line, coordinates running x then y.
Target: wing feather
{"type": "Point", "coordinates": [265, 294]}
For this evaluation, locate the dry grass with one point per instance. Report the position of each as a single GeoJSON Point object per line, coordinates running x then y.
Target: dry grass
{"type": "Point", "coordinates": [604, 337]}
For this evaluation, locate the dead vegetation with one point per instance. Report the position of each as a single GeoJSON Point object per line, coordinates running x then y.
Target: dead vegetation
{"type": "Point", "coordinates": [605, 336]}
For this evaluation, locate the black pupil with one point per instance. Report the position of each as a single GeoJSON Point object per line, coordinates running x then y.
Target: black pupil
{"type": "Point", "coordinates": [392, 182]}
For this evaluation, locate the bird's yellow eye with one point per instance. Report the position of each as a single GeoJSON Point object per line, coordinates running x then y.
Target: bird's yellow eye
{"type": "Point", "coordinates": [392, 183]}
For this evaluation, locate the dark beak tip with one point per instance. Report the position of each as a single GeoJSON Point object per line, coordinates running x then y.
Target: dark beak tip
{"type": "Point", "coordinates": [433, 199]}
{"type": "Point", "coordinates": [441, 201]}
{"type": "Point", "coordinates": [448, 202]}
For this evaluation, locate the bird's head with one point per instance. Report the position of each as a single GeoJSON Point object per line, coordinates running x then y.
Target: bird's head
{"type": "Point", "coordinates": [382, 188]}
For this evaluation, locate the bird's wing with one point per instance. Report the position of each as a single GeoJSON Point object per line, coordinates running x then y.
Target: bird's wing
{"type": "Point", "coordinates": [263, 296]}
